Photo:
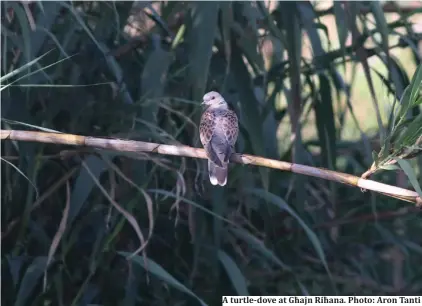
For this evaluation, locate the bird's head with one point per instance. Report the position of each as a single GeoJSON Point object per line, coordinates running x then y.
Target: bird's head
{"type": "Point", "coordinates": [214, 99]}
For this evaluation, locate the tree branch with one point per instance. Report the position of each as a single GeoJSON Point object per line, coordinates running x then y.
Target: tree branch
{"type": "Point", "coordinates": [186, 151]}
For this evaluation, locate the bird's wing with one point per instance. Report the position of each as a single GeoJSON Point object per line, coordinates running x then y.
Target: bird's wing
{"type": "Point", "coordinates": [207, 128]}
{"type": "Point", "coordinates": [231, 127]}
{"type": "Point", "coordinates": [228, 131]}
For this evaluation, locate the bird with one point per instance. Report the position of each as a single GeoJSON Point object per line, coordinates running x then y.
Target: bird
{"type": "Point", "coordinates": [218, 131]}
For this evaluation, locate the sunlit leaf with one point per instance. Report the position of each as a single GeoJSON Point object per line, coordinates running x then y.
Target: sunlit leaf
{"type": "Point", "coordinates": [407, 168]}
{"type": "Point", "coordinates": [415, 85]}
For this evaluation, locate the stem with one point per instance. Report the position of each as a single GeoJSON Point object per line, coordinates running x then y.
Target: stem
{"type": "Point", "coordinates": [186, 151]}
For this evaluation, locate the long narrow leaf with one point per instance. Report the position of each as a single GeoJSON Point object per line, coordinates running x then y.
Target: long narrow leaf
{"type": "Point", "coordinates": [155, 269]}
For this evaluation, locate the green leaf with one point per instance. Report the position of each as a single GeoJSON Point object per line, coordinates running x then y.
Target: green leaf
{"type": "Point", "coordinates": [389, 167]}
{"type": "Point", "coordinates": [407, 168]}
{"type": "Point", "coordinates": [16, 71]}
{"type": "Point", "coordinates": [15, 265]}
{"type": "Point", "coordinates": [155, 269]}
{"type": "Point", "coordinates": [403, 106]}
{"type": "Point", "coordinates": [84, 185]}
{"type": "Point", "coordinates": [342, 29]}
{"type": "Point", "coordinates": [204, 25]}
{"type": "Point", "coordinates": [376, 8]}
{"type": "Point", "coordinates": [294, 33]}
{"type": "Point", "coordinates": [234, 273]}
{"type": "Point", "coordinates": [219, 202]}
{"type": "Point", "coordinates": [21, 173]}
{"type": "Point", "coordinates": [153, 80]}
{"type": "Point", "coordinates": [46, 19]}
{"type": "Point", "coordinates": [179, 37]}
{"type": "Point", "coordinates": [272, 25]}
{"type": "Point", "coordinates": [154, 72]}
{"type": "Point", "coordinates": [25, 31]}
{"type": "Point", "coordinates": [398, 75]}
{"type": "Point", "coordinates": [226, 22]}
{"type": "Point", "coordinates": [411, 134]}
{"type": "Point", "coordinates": [260, 247]}
{"type": "Point", "coordinates": [375, 158]}
{"type": "Point", "coordinates": [248, 35]}
{"type": "Point", "coordinates": [250, 115]}
{"type": "Point", "coordinates": [189, 202]}
{"type": "Point", "coordinates": [415, 86]}
{"type": "Point", "coordinates": [307, 14]}
{"type": "Point", "coordinates": [324, 114]}
{"type": "Point", "coordinates": [280, 203]}
{"type": "Point", "coordinates": [249, 49]}
{"type": "Point", "coordinates": [418, 101]}
{"type": "Point", "coordinates": [30, 280]}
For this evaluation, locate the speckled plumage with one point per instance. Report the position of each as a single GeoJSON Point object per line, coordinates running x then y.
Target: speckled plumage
{"type": "Point", "coordinates": [218, 131]}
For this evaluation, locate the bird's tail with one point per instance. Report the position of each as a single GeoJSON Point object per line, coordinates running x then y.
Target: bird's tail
{"type": "Point", "coordinates": [218, 175]}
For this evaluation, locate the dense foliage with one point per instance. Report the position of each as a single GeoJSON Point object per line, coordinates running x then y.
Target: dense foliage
{"type": "Point", "coordinates": [337, 87]}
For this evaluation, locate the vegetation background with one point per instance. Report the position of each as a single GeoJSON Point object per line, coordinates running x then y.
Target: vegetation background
{"type": "Point", "coordinates": [327, 84]}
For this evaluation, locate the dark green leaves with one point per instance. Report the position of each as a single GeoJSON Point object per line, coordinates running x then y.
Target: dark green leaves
{"type": "Point", "coordinates": [202, 33]}
{"type": "Point", "coordinates": [405, 138]}
{"type": "Point", "coordinates": [155, 269]}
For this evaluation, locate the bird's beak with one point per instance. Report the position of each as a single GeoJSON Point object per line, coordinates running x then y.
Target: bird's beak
{"type": "Point", "coordinates": [203, 103]}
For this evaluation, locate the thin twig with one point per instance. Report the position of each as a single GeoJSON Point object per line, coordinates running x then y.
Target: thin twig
{"type": "Point", "coordinates": [186, 151]}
